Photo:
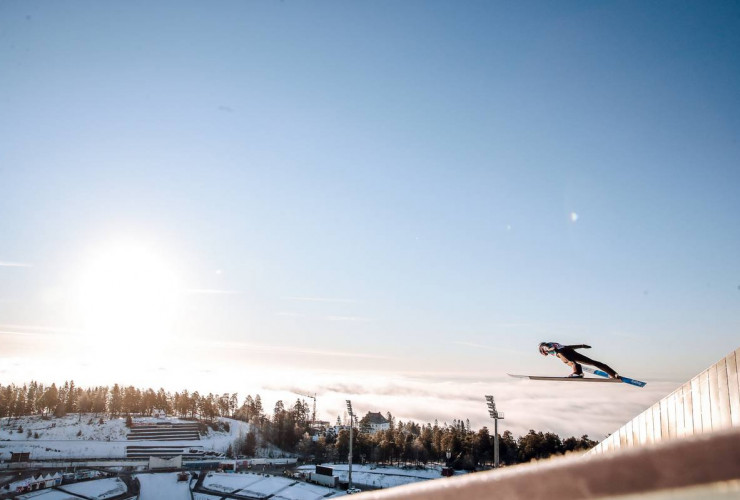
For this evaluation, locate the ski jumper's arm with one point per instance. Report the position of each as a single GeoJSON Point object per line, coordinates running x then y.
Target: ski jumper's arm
{"type": "Point", "coordinates": [579, 346]}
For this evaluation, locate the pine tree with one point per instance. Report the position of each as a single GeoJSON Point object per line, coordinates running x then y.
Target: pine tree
{"type": "Point", "coordinates": [32, 399]}
{"type": "Point", "coordinates": [250, 445]}
{"type": "Point", "coordinates": [233, 404]}
{"type": "Point", "coordinates": [116, 400]}
{"type": "Point", "coordinates": [71, 401]}
{"type": "Point", "coordinates": [50, 399]}
{"type": "Point", "coordinates": [19, 409]}
{"type": "Point", "coordinates": [6, 401]}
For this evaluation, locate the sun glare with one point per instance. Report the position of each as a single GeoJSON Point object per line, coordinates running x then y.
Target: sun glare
{"type": "Point", "coordinates": [128, 295]}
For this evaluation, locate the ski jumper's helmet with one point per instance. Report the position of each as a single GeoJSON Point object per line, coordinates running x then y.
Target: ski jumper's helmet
{"type": "Point", "coordinates": [543, 348]}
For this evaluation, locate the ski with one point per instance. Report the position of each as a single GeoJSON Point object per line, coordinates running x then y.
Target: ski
{"type": "Point", "coordinates": [626, 380]}
{"type": "Point", "coordinates": [566, 379]}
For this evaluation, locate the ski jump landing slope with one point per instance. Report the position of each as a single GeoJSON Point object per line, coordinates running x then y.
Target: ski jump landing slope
{"type": "Point", "coordinates": [707, 403]}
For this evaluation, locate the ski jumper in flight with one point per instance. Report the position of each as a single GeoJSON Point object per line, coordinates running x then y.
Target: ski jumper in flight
{"type": "Point", "coordinates": [569, 356]}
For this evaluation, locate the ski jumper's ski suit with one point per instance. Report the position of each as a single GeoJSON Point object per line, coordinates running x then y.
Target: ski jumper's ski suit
{"type": "Point", "coordinates": [569, 356]}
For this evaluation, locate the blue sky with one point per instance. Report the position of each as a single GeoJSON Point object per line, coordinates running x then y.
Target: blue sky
{"type": "Point", "coordinates": [372, 187]}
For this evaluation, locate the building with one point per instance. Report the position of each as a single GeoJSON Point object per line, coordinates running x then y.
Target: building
{"type": "Point", "coordinates": [375, 422]}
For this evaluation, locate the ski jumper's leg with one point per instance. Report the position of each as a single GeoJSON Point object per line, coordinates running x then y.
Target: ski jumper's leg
{"type": "Point", "coordinates": [566, 356]}
{"type": "Point", "coordinates": [586, 360]}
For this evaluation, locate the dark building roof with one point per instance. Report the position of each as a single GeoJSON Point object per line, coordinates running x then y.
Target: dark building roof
{"type": "Point", "coordinates": [375, 418]}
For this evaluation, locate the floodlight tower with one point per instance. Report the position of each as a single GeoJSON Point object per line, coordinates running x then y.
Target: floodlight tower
{"type": "Point", "coordinates": [351, 421]}
{"type": "Point", "coordinates": [496, 416]}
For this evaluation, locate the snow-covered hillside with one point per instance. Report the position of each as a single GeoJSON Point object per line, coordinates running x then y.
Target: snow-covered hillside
{"type": "Point", "coordinates": [84, 427]}
{"type": "Point", "coordinates": [84, 436]}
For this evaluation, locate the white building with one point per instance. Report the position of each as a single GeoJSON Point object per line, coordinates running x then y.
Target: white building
{"type": "Point", "coordinates": [375, 422]}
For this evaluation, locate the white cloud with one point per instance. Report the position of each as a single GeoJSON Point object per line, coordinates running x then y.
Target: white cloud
{"type": "Point", "coordinates": [212, 291]}
{"type": "Point", "coordinates": [5, 263]}
{"type": "Point", "coordinates": [35, 329]}
{"type": "Point", "coordinates": [573, 217]}
{"type": "Point", "coordinates": [491, 347]}
{"type": "Point", "coordinates": [320, 299]}
{"type": "Point", "coordinates": [294, 350]}
{"type": "Point", "coordinates": [346, 318]}
{"type": "Point", "coordinates": [567, 409]}
{"type": "Point", "coordinates": [289, 314]}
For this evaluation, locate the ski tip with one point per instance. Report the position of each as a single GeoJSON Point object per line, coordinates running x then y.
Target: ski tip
{"type": "Point", "coordinates": [636, 383]}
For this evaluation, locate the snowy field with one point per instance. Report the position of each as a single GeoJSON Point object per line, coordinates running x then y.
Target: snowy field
{"type": "Point", "coordinates": [305, 491]}
{"type": "Point", "coordinates": [64, 428]}
{"type": "Point", "coordinates": [205, 496]}
{"type": "Point", "coordinates": [48, 495]}
{"type": "Point", "coordinates": [75, 436]}
{"type": "Point", "coordinates": [258, 485]}
{"type": "Point", "coordinates": [228, 483]}
{"type": "Point", "coordinates": [380, 476]}
{"type": "Point", "coordinates": [64, 449]}
{"type": "Point", "coordinates": [163, 487]}
{"type": "Point", "coordinates": [100, 489]}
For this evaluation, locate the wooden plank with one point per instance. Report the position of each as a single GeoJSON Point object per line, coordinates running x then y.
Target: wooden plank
{"type": "Point", "coordinates": [688, 410]}
{"type": "Point", "coordinates": [613, 442]}
{"type": "Point", "coordinates": [723, 392]}
{"type": "Point", "coordinates": [636, 431]}
{"type": "Point", "coordinates": [649, 430]}
{"type": "Point", "coordinates": [623, 437]}
{"type": "Point", "coordinates": [665, 435]}
{"type": "Point", "coordinates": [714, 398]}
{"type": "Point", "coordinates": [604, 446]}
{"type": "Point", "coordinates": [672, 424]}
{"type": "Point", "coordinates": [641, 429]}
{"type": "Point", "coordinates": [733, 387]}
{"type": "Point", "coordinates": [680, 429]}
{"type": "Point", "coordinates": [706, 403]}
{"type": "Point", "coordinates": [696, 405]}
{"type": "Point", "coordinates": [656, 423]}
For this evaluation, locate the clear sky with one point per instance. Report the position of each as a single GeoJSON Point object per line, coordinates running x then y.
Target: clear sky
{"type": "Point", "coordinates": [383, 200]}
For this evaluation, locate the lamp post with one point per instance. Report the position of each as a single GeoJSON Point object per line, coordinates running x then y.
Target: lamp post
{"type": "Point", "coordinates": [351, 421]}
{"type": "Point", "coordinates": [496, 416]}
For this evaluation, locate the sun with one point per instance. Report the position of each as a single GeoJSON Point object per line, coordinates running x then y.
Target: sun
{"type": "Point", "coordinates": [128, 295]}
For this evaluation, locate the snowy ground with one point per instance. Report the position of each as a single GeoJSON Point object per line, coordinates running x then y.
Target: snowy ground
{"type": "Point", "coordinates": [205, 496]}
{"type": "Point", "coordinates": [163, 487]}
{"type": "Point", "coordinates": [48, 495]}
{"type": "Point", "coordinates": [259, 485]}
{"type": "Point", "coordinates": [64, 428]}
{"type": "Point", "coordinates": [305, 491]}
{"type": "Point", "coordinates": [99, 489]}
{"type": "Point", "coordinates": [64, 449]}
{"type": "Point", "coordinates": [75, 436]}
{"type": "Point", "coordinates": [377, 476]}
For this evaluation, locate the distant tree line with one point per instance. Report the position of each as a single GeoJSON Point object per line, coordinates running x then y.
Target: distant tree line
{"type": "Point", "coordinates": [455, 445]}
{"type": "Point", "coordinates": [36, 399]}
{"type": "Point", "coordinates": [289, 427]}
